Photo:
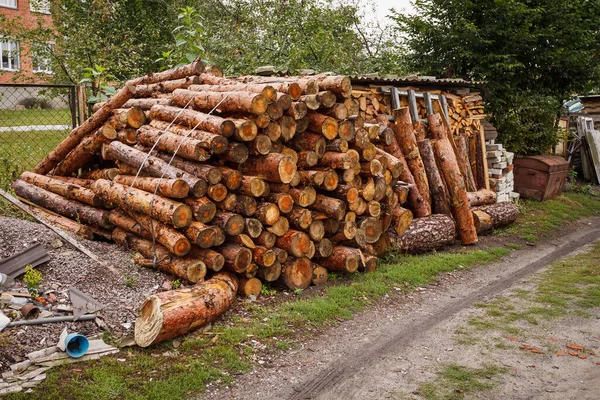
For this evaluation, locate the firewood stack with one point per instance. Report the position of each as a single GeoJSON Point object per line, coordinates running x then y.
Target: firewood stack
{"type": "Point", "coordinates": [268, 179]}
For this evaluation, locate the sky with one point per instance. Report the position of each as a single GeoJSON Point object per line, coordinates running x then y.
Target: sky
{"type": "Point", "coordinates": [384, 5]}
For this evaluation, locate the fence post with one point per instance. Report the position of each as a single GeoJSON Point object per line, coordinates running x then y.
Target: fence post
{"type": "Point", "coordinates": [81, 103]}
{"type": "Point", "coordinates": [73, 106]}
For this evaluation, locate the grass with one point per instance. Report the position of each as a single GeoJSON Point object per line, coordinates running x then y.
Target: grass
{"type": "Point", "coordinates": [35, 117]}
{"type": "Point", "coordinates": [20, 151]}
{"type": "Point", "coordinates": [229, 347]}
{"type": "Point", "coordinates": [454, 381]}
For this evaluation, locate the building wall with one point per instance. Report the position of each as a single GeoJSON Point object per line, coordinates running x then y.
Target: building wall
{"type": "Point", "coordinates": [29, 19]}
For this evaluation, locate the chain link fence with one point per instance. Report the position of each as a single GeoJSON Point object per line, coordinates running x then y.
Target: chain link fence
{"type": "Point", "coordinates": [33, 120]}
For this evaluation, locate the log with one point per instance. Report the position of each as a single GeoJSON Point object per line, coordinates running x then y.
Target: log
{"type": "Point", "coordinates": [164, 234]}
{"type": "Point", "coordinates": [294, 242]}
{"type": "Point", "coordinates": [273, 131]}
{"type": "Point", "coordinates": [71, 191]}
{"type": "Point", "coordinates": [273, 167]}
{"type": "Point", "coordinates": [340, 85]}
{"type": "Point", "coordinates": [58, 204]}
{"type": "Point", "coordinates": [85, 151]}
{"type": "Point", "coordinates": [253, 227]}
{"type": "Point", "coordinates": [403, 130]}
{"type": "Point", "coordinates": [284, 201]}
{"type": "Point", "coordinates": [66, 224]}
{"type": "Point", "coordinates": [495, 215]}
{"type": "Point", "coordinates": [462, 156]}
{"type": "Point", "coordinates": [232, 223]}
{"type": "Point", "coordinates": [202, 208]}
{"type": "Point", "coordinates": [339, 160]}
{"type": "Point", "coordinates": [214, 143]}
{"type": "Point", "coordinates": [213, 260]}
{"type": "Point", "coordinates": [193, 119]}
{"type": "Point", "coordinates": [264, 256]}
{"type": "Point", "coordinates": [401, 219]}
{"type": "Point", "coordinates": [232, 178]}
{"type": "Point", "coordinates": [310, 141]}
{"type": "Point", "coordinates": [200, 234]}
{"type": "Point", "coordinates": [153, 166]}
{"type": "Point", "coordinates": [300, 218]}
{"type": "Point", "coordinates": [324, 247]}
{"type": "Point", "coordinates": [246, 102]}
{"type": "Point", "coordinates": [148, 90]}
{"type": "Point", "coordinates": [343, 259]}
{"type": "Point", "coordinates": [83, 130]}
{"type": "Point", "coordinates": [237, 258]}
{"type": "Point", "coordinates": [298, 109]}
{"type": "Point", "coordinates": [166, 315]}
{"type": "Point", "coordinates": [266, 239]}
{"type": "Point", "coordinates": [439, 193]}
{"type": "Point", "coordinates": [455, 182]}
{"type": "Point", "coordinates": [296, 273]}
{"type": "Point", "coordinates": [323, 124]}
{"type": "Point", "coordinates": [319, 275]}
{"type": "Point", "coordinates": [249, 287]}
{"type": "Point", "coordinates": [426, 234]}
{"type": "Point", "coordinates": [289, 127]}
{"type": "Point", "coordinates": [165, 210]}
{"type": "Point", "coordinates": [108, 173]}
{"type": "Point", "coordinates": [217, 192]}
{"type": "Point", "coordinates": [173, 188]}
{"type": "Point", "coordinates": [267, 91]}
{"type": "Point", "coordinates": [270, 274]}
{"type": "Point", "coordinates": [267, 213]}
{"type": "Point", "coordinates": [261, 145]}
{"type": "Point", "coordinates": [236, 153]}
{"type": "Point", "coordinates": [371, 227]}
{"type": "Point", "coordinates": [334, 208]}
{"type": "Point", "coordinates": [482, 197]}
{"type": "Point", "coordinates": [194, 68]}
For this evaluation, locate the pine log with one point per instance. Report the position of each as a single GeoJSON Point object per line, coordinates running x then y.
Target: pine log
{"type": "Point", "coordinates": [66, 224]}
{"type": "Point", "coordinates": [85, 151]}
{"type": "Point", "coordinates": [108, 173]}
{"type": "Point", "coordinates": [319, 275]}
{"type": "Point", "coordinates": [289, 127]}
{"type": "Point", "coordinates": [153, 166]}
{"type": "Point", "coordinates": [272, 131]}
{"type": "Point", "coordinates": [462, 156]}
{"type": "Point", "coordinates": [324, 248]}
{"type": "Point", "coordinates": [173, 188]}
{"type": "Point", "coordinates": [202, 208]}
{"type": "Point", "coordinates": [323, 124]}
{"type": "Point", "coordinates": [193, 119]}
{"type": "Point", "coordinates": [194, 68]}
{"type": "Point", "coordinates": [213, 260]}
{"type": "Point", "coordinates": [426, 234]}
{"type": "Point", "coordinates": [212, 142]}
{"type": "Point", "coordinates": [294, 242]}
{"type": "Point", "coordinates": [200, 234]}
{"type": "Point", "coordinates": [58, 204]}
{"type": "Point", "coordinates": [270, 274]}
{"type": "Point", "coordinates": [148, 90]}
{"type": "Point", "coordinates": [217, 192]}
{"type": "Point", "coordinates": [71, 191]}
{"type": "Point", "coordinates": [340, 85]}
{"type": "Point", "coordinates": [401, 219]}
{"type": "Point", "coordinates": [253, 227]}
{"type": "Point", "coordinates": [496, 215]}
{"type": "Point", "coordinates": [232, 223]}
{"type": "Point", "coordinates": [284, 201]}
{"type": "Point", "coordinates": [166, 235]}
{"type": "Point", "coordinates": [165, 210]}
{"type": "Point", "coordinates": [166, 315]}
{"type": "Point", "coordinates": [252, 103]}
{"type": "Point", "coordinates": [266, 239]}
{"type": "Point", "coordinates": [273, 167]}
{"type": "Point", "coordinates": [267, 213]}
{"type": "Point", "coordinates": [237, 258]}
{"type": "Point", "coordinates": [267, 91]}
{"type": "Point", "coordinates": [87, 127]}
{"type": "Point", "coordinates": [300, 218]}
{"type": "Point", "coordinates": [296, 273]}
{"type": "Point", "coordinates": [264, 256]}
{"type": "Point", "coordinates": [343, 259]}
{"type": "Point", "coordinates": [310, 141]}
{"type": "Point", "coordinates": [298, 110]}
{"type": "Point", "coordinates": [482, 197]}
{"type": "Point", "coordinates": [439, 194]}
{"type": "Point", "coordinates": [403, 130]}
{"type": "Point", "coordinates": [249, 287]}
{"type": "Point", "coordinates": [454, 180]}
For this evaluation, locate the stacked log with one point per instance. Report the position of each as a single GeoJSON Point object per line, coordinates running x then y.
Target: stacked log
{"type": "Point", "coordinates": [272, 180]}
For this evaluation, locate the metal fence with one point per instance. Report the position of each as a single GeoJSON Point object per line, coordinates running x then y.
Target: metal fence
{"type": "Point", "coordinates": [33, 120]}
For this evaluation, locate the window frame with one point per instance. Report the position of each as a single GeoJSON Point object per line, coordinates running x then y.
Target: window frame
{"type": "Point", "coordinates": [15, 7]}
{"type": "Point", "coordinates": [18, 57]}
{"type": "Point", "coordinates": [47, 62]}
{"type": "Point", "coordinates": [46, 11]}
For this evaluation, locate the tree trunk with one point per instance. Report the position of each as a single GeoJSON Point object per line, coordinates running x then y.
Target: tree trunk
{"type": "Point", "coordinates": [267, 91]}
{"type": "Point", "coordinates": [85, 151]}
{"type": "Point", "coordinates": [332, 207]}
{"type": "Point", "coordinates": [201, 235]}
{"type": "Point", "coordinates": [294, 242]}
{"type": "Point", "coordinates": [495, 216]}
{"type": "Point", "coordinates": [338, 84]}
{"type": "Point", "coordinates": [270, 274]}
{"type": "Point", "coordinates": [401, 219]}
{"type": "Point", "coordinates": [266, 239]}
{"type": "Point", "coordinates": [71, 191]}
{"type": "Point", "coordinates": [83, 130]}
{"type": "Point", "coordinates": [284, 201]}
{"type": "Point", "coordinates": [203, 209]}
{"type": "Point", "coordinates": [233, 224]}
{"type": "Point", "coordinates": [300, 218]}
{"type": "Point", "coordinates": [170, 212]}
{"type": "Point", "coordinates": [66, 224]}
{"type": "Point", "coordinates": [166, 315]}
{"type": "Point", "coordinates": [319, 275]}
{"type": "Point", "coordinates": [249, 287]}
{"type": "Point", "coordinates": [237, 258]}
{"type": "Point", "coordinates": [323, 124]}
{"type": "Point", "coordinates": [217, 192]}
{"type": "Point", "coordinates": [426, 234]}
{"type": "Point", "coordinates": [144, 91]}
{"type": "Point", "coordinates": [296, 273]}
{"type": "Point", "coordinates": [166, 235]}
{"type": "Point", "coordinates": [194, 68]}
{"type": "Point", "coordinates": [58, 204]}
{"type": "Point", "coordinates": [213, 260]}
{"type": "Point", "coordinates": [273, 167]}
{"type": "Point", "coordinates": [454, 180]}
{"type": "Point", "coordinates": [214, 143]}
{"type": "Point", "coordinates": [264, 256]}
{"type": "Point", "coordinates": [439, 193]}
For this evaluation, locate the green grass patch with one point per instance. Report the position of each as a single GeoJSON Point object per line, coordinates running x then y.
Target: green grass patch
{"type": "Point", "coordinates": [454, 381]}
{"type": "Point", "coordinates": [20, 151]}
{"type": "Point", "coordinates": [35, 117]}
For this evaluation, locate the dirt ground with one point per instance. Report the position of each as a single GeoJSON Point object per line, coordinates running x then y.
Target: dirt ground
{"type": "Point", "coordinates": [392, 351]}
{"type": "Point", "coordinates": [120, 293]}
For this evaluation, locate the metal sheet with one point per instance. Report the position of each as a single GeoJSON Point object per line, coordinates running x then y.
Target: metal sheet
{"type": "Point", "coordinates": [14, 265]}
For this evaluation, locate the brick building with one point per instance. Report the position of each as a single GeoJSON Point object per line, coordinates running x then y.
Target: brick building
{"type": "Point", "coordinates": [16, 59]}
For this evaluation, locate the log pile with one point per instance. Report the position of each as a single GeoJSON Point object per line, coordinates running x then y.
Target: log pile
{"type": "Point", "coordinates": [227, 183]}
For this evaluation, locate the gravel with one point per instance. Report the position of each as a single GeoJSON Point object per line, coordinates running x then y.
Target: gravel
{"type": "Point", "coordinates": [120, 294]}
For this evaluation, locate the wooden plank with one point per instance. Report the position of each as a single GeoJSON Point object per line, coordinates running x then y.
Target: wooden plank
{"type": "Point", "coordinates": [593, 140]}
{"type": "Point", "coordinates": [485, 164]}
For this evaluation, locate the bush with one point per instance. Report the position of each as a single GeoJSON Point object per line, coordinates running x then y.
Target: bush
{"type": "Point", "coordinates": [31, 103]}
{"type": "Point", "coordinates": [526, 123]}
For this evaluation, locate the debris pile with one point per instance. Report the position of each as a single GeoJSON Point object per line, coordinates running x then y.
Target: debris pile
{"type": "Point", "coordinates": [230, 182]}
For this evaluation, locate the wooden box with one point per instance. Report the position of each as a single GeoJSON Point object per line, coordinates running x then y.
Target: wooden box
{"type": "Point", "coordinates": [540, 177]}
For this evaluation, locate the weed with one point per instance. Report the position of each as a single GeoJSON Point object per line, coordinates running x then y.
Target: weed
{"type": "Point", "coordinates": [32, 280]}
{"type": "Point", "coordinates": [130, 281]}
{"type": "Point", "coordinates": [454, 380]}
{"type": "Point", "coordinates": [298, 291]}
{"type": "Point", "coordinates": [513, 246]}
{"type": "Point", "coordinates": [176, 283]}
{"type": "Point", "coordinates": [266, 290]}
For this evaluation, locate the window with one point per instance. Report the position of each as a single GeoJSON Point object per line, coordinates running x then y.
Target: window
{"type": "Point", "coordinates": [8, 3]}
{"type": "Point", "coordinates": [39, 6]}
{"type": "Point", "coordinates": [9, 55]}
{"type": "Point", "coordinates": [41, 60]}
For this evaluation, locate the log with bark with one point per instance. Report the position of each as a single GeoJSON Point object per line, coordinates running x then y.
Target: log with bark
{"type": "Point", "coordinates": [426, 234]}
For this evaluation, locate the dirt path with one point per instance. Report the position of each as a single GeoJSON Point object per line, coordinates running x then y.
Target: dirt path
{"type": "Point", "coordinates": [389, 352]}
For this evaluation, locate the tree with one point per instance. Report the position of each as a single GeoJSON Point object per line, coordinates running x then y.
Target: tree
{"type": "Point", "coordinates": [532, 54]}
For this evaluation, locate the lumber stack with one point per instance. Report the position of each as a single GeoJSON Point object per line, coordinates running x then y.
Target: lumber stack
{"type": "Point", "coordinates": [272, 180]}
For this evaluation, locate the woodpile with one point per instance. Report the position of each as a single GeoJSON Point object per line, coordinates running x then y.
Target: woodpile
{"type": "Point", "coordinates": [227, 183]}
